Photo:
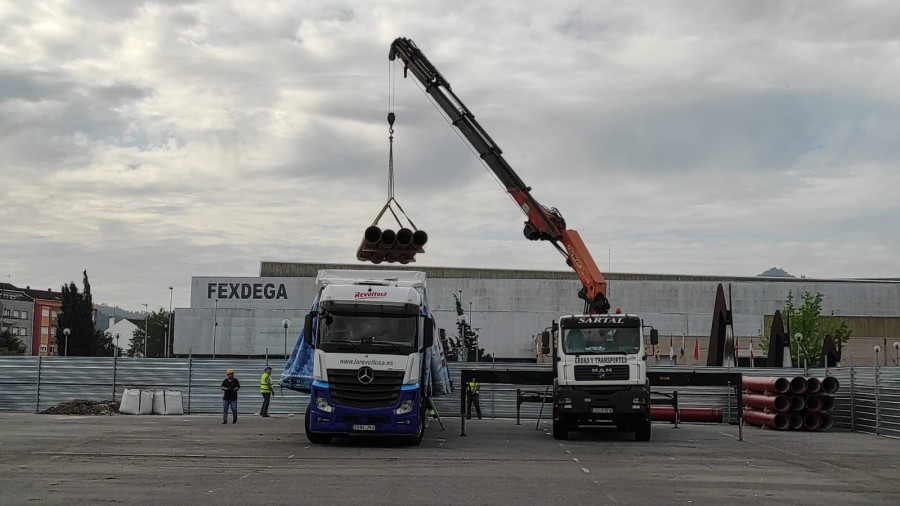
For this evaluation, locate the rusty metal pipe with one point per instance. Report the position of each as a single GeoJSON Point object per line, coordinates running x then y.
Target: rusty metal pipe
{"type": "Point", "coordinates": [667, 414]}
{"type": "Point", "coordinates": [827, 421]}
{"type": "Point", "coordinates": [812, 421]}
{"type": "Point", "coordinates": [778, 403]}
{"type": "Point", "coordinates": [830, 384]}
{"type": "Point", "coordinates": [766, 384]}
{"type": "Point", "coordinates": [777, 421]}
{"type": "Point", "coordinates": [796, 421]}
{"type": "Point", "coordinates": [420, 238]}
{"type": "Point", "coordinates": [404, 237]}
{"type": "Point", "coordinates": [797, 403]}
{"type": "Point", "coordinates": [825, 401]}
{"type": "Point", "coordinates": [813, 385]}
{"type": "Point", "coordinates": [798, 385]}
{"type": "Point", "coordinates": [814, 403]}
{"type": "Point", "coordinates": [388, 238]}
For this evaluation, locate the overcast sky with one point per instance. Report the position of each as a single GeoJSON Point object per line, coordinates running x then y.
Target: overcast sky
{"type": "Point", "coordinates": [149, 142]}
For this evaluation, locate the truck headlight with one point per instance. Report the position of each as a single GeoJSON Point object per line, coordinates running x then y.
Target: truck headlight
{"type": "Point", "coordinates": [638, 400]}
{"type": "Point", "coordinates": [323, 405]}
{"type": "Point", "coordinates": [405, 407]}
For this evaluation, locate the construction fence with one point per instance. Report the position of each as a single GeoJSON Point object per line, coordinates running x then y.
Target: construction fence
{"type": "Point", "coordinates": [868, 400]}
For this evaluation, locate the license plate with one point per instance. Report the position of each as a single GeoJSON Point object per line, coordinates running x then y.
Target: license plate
{"type": "Point", "coordinates": [601, 410]}
{"type": "Point", "coordinates": [363, 427]}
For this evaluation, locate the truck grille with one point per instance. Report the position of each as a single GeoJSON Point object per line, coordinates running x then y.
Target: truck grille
{"type": "Point", "coordinates": [347, 390]}
{"type": "Point", "coordinates": [601, 372]}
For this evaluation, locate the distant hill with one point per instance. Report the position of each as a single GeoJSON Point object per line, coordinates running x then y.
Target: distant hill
{"type": "Point", "coordinates": [776, 272]}
{"type": "Point", "coordinates": [104, 312]}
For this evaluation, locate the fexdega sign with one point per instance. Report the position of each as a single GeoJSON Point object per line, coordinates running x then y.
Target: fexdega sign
{"type": "Point", "coordinates": [248, 293]}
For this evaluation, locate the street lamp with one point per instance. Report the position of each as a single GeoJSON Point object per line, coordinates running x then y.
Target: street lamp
{"type": "Point", "coordinates": [169, 335]}
{"type": "Point", "coordinates": [66, 332]}
{"type": "Point", "coordinates": [285, 323]}
{"type": "Point", "coordinates": [146, 329]}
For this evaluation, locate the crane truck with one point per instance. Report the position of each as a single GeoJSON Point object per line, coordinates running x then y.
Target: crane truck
{"type": "Point", "coordinates": [599, 365]}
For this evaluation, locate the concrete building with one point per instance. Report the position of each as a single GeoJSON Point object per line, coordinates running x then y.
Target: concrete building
{"type": "Point", "coordinates": [16, 314]}
{"type": "Point", "coordinates": [47, 304]}
{"type": "Point", "coordinates": [243, 316]}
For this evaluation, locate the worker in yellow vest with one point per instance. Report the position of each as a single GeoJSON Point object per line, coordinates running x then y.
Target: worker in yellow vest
{"type": "Point", "coordinates": [265, 386]}
{"type": "Point", "coordinates": [472, 389]}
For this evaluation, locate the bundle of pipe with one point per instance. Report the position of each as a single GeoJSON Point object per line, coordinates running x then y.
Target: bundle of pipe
{"type": "Point", "coordinates": [790, 403]}
{"type": "Point", "coordinates": [388, 246]}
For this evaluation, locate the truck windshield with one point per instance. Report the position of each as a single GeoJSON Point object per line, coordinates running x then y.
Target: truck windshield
{"type": "Point", "coordinates": [601, 340]}
{"type": "Point", "coordinates": [385, 333]}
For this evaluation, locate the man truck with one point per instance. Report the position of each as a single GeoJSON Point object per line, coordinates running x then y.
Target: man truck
{"type": "Point", "coordinates": [601, 380]}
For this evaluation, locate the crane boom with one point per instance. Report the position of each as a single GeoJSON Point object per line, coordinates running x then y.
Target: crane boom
{"type": "Point", "coordinates": [543, 223]}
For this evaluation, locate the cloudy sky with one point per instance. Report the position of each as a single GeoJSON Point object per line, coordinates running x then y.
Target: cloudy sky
{"type": "Point", "coordinates": [149, 142]}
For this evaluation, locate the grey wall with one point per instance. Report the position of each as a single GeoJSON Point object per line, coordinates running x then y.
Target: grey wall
{"type": "Point", "coordinates": [509, 307]}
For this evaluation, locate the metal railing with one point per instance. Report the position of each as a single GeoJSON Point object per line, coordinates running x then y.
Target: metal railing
{"type": "Point", "coordinates": [868, 399]}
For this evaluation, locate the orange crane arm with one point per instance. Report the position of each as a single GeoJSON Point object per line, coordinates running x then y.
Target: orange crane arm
{"type": "Point", "coordinates": [544, 224]}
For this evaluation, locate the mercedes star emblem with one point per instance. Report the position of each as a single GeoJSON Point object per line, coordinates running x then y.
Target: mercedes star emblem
{"type": "Point", "coordinates": [365, 375]}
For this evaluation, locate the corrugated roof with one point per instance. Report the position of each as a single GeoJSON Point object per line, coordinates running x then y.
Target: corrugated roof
{"type": "Point", "coordinates": [299, 269]}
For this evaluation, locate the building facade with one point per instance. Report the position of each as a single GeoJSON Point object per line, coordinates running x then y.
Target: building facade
{"type": "Point", "coordinates": [507, 308]}
{"type": "Point", "coordinates": [16, 314]}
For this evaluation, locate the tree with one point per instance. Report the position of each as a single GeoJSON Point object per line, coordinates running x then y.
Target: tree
{"type": "Point", "coordinates": [77, 315]}
{"type": "Point", "coordinates": [156, 323]}
{"type": "Point", "coordinates": [11, 344]}
{"type": "Point", "coordinates": [807, 321]}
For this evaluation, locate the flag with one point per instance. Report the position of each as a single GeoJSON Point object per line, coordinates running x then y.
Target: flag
{"type": "Point", "coordinates": [682, 348]}
{"type": "Point", "coordinates": [671, 349]}
{"type": "Point", "coordinates": [697, 349]}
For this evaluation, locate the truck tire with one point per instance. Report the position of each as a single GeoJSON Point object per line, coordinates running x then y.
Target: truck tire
{"type": "Point", "coordinates": [560, 427]}
{"type": "Point", "coordinates": [642, 431]}
{"type": "Point", "coordinates": [316, 439]}
{"type": "Point", "coordinates": [416, 440]}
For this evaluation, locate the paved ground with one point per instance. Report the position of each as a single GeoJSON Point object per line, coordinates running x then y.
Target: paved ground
{"type": "Point", "coordinates": [196, 460]}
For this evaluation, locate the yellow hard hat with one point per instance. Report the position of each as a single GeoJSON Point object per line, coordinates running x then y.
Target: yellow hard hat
{"type": "Point", "coordinates": [229, 371]}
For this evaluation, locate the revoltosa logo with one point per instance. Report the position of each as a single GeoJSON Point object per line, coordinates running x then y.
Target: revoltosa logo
{"type": "Point", "coordinates": [369, 295]}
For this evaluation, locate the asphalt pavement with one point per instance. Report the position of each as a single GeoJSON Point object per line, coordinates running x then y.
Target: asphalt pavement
{"type": "Point", "coordinates": [194, 459]}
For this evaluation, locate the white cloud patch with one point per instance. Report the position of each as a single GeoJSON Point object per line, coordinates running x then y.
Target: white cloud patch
{"type": "Point", "coordinates": [149, 142]}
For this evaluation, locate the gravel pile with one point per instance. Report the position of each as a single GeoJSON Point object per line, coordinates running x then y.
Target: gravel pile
{"type": "Point", "coordinates": [83, 407]}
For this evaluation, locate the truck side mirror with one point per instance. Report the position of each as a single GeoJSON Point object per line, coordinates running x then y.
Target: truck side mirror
{"type": "Point", "coordinates": [307, 328]}
{"type": "Point", "coordinates": [428, 337]}
{"type": "Point", "coordinates": [654, 337]}
{"type": "Point", "coordinates": [545, 338]}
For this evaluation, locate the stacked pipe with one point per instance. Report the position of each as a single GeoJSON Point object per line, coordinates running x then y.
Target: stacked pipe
{"type": "Point", "coordinates": [388, 246]}
{"type": "Point", "coordinates": [798, 403]}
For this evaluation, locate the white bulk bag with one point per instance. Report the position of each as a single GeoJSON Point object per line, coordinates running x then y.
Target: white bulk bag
{"type": "Point", "coordinates": [131, 402]}
{"type": "Point", "coordinates": [174, 402]}
{"type": "Point", "coordinates": [146, 402]}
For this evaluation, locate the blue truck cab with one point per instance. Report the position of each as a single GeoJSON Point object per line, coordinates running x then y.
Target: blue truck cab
{"type": "Point", "coordinates": [375, 356]}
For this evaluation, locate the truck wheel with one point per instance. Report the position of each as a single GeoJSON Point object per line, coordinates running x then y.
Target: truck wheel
{"type": "Point", "coordinates": [560, 428]}
{"type": "Point", "coordinates": [316, 439]}
{"type": "Point", "coordinates": [642, 431]}
{"type": "Point", "coordinates": [416, 440]}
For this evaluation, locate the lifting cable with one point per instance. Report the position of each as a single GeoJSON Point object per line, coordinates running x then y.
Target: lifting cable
{"type": "Point", "coordinates": [391, 117]}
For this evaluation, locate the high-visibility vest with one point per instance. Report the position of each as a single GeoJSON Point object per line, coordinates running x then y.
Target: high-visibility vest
{"type": "Point", "coordinates": [473, 387]}
{"type": "Point", "coordinates": [265, 383]}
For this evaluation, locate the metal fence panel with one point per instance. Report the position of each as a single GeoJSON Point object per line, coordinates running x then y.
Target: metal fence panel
{"type": "Point", "coordinates": [868, 399]}
{"type": "Point", "coordinates": [18, 383]}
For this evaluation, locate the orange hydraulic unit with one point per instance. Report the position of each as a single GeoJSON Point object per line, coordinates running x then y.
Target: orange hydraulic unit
{"type": "Point", "coordinates": [544, 224]}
